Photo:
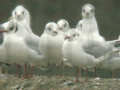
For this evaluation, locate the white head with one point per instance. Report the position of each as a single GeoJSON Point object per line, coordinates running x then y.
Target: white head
{"type": "Point", "coordinates": [51, 28]}
{"type": "Point", "coordinates": [9, 26]}
{"type": "Point", "coordinates": [88, 11]}
{"type": "Point", "coordinates": [21, 14]}
{"type": "Point", "coordinates": [63, 25]}
{"type": "Point", "coordinates": [71, 35]}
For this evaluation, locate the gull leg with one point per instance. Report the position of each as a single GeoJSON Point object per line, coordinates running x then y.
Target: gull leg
{"type": "Point", "coordinates": [113, 73]}
{"type": "Point", "coordinates": [60, 67]}
{"type": "Point", "coordinates": [86, 75]}
{"type": "Point", "coordinates": [95, 70]}
{"type": "Point", "coordinates": [31, 70]}
{"type": "Point", "coordinates": [18, 66]}
{"type": "Point", "coordinates": [25, 71]}
{"type": "Point", "coordinates": [78, 74]}
{"type": "Point", "coordinates": [62, 64]}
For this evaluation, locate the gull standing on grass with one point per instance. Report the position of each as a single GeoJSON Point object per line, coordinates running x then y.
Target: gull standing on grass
{"type": "Point", "coordinates": [73, 53]}
{"type": "Point", "coordinates": [22, 17]}
{"type": "Point", "coordinates": [51, 43]}
{"type": "Point", "coordinates": [18, 51]}
{"type": "Point", "coordinates": [94, 43]}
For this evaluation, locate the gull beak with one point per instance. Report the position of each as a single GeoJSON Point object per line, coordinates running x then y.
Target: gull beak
{"type": "Point", "coordinates": [55, 32]}
{"type": "Point", "coordinates": [67, 37]}
{"type": "Point", "coordinates": [2, 29]}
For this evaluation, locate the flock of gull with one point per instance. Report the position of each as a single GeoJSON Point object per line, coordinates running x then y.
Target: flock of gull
{"type": "Point", "coordinates": [82, 47]}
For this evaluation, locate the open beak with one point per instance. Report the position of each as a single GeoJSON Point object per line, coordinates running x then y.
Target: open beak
{"type": "Point", "coordinates": [2, 29]}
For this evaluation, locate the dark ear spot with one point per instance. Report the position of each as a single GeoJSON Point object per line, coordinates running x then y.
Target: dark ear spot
{"type": "Point", "coordinates": [49, 28]}
{"type": "Point", "coordinates": [65, 24]}
{"type": "Point", "coordinates": [15, 13]}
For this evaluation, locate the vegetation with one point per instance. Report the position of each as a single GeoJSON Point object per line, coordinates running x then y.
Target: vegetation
{"type": "Point", "coordinates": [55, 78]}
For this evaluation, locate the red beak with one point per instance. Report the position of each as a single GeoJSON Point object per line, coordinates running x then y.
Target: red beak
{"type": "Point", "coordinates": [67, 37]}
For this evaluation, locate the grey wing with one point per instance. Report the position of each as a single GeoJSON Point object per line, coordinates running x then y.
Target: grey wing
{"type": "Point", "coordinates": [32, 41]}
{"type": "Point", "coordinates": [115, 43]}
{"type": "Point", "coordinates": [97, 49]}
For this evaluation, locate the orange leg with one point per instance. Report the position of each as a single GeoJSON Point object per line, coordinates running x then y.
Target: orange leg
{"type": "Point", "coordinates": [78, 74]}
{"type": "Point", "coordinates": [25, 71]}
{"type": "Point", "coordinates": [31, 70]}
{"type": "Point", "coordinates": [95, 70]}
{"type": "Point", "coordinates": [18, 69]}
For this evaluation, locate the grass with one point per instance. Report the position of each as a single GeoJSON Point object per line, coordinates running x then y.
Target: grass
{"type": "Point", "coordinates": [58, 79]}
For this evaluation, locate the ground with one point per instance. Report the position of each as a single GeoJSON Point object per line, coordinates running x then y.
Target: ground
{"type": "Point", "coordinates": [58, 79]}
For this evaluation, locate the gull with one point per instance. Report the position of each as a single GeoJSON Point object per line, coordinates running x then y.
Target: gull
{"type": "Point", "coordinates": [22, 16]}
{"type": "Point", "coordinates": [74, 53]}
{"type": "Point", "coordinates": [51, 43]}
{"type": "Point", "coordinates": [18, 51]}
{"type": "Point", "coordinates": [94, 43]}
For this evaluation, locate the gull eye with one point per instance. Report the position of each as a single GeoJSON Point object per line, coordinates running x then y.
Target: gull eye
{"type": "Point", "coordinates": [65, 25]}
{"type": "Point", "coordinates": [49, 28]}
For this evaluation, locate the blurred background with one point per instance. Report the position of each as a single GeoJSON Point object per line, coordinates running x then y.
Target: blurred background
{"type": "Point", "coordinates": [43, 11]}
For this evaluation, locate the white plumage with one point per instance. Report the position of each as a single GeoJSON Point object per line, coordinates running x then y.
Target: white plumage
{"type": "Point", "coordinates": [51, 43]}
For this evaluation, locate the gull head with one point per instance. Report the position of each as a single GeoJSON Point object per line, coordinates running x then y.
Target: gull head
{"type": "Point", "coordinates": [88, 11]}
{"type": "Point", "coordinates": [71, 36]}
{"type": "Point", "coordinates": [63, 25]}
{"type": "Point", "coordinates": [9, 26]}
{"type": "Point", "coordinates": [51, 28]}
{"type": "Point", "coordinates": [20, 14]}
